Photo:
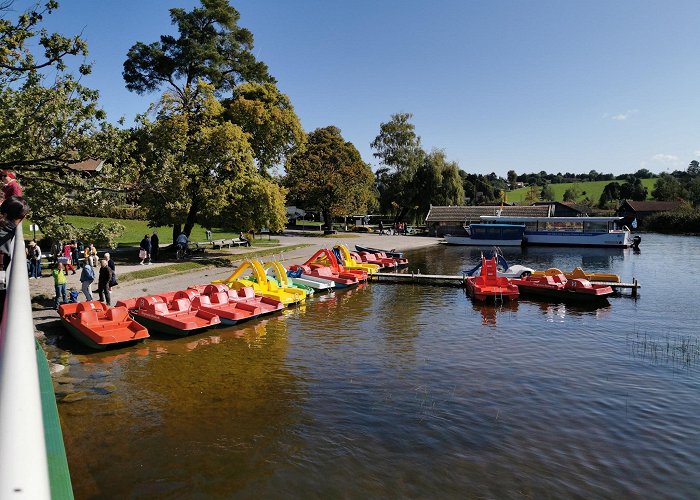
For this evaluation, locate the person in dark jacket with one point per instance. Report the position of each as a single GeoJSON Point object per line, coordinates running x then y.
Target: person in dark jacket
{"type": "Point", "coordinates": [103, 282]}
{"type": "Point", "coordinates": [113, 268]}
{"type": "Point", "coordinates": [155, 246]}
{"type": "Point", "coordinates": [145, 249]}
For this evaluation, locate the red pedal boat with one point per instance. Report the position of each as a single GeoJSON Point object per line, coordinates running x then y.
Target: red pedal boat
{"type": "Point", "coordinates": [177, 317]}
{"type": "Point", "coordinates": [558, 287]}
{"type": "Point", "coordinates": [247, 295]}
{"type": "Point", "coordinates": [216, 301]}
{"type": "Point", "coordinates": [371, 258]}
{"type": "Point", "coordinates": [488, 285]}
{"type": "Point", "coordinates": [96, 325]}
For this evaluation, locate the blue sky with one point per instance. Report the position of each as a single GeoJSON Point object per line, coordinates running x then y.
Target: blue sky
{"type": "Point", "coordinates": [528, 85]}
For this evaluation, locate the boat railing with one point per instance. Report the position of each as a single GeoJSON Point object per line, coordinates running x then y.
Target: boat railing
{"type": "Point", "coordinates": [24, 471]}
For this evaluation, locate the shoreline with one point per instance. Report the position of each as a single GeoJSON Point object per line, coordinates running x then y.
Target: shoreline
{"type": "Point", "coordinates": [45, 316]}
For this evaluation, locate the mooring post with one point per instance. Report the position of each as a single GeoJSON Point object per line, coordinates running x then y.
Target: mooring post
{"type": "Point", "coordinates": [634, 287]}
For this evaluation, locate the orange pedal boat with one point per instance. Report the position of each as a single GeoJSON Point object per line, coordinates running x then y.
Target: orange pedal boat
{"type": "Point", "coordinates": [488, 285]}
{"type": "Point", "coordinates": [216, 301]}
{"type": "Point", "coordinates": [177, 317]}
{"type": "Point", "coordinates": [96, 325]}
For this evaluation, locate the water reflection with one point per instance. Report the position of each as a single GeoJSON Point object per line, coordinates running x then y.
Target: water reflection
{"type": "Point", "coordinates": [491, 311]}
{"type": "Point", "coordinates": [210, 400]}
{"type": "Point", "coordinates": [554, 312]}
{"type": "Point", "coordinates": [408, 390]}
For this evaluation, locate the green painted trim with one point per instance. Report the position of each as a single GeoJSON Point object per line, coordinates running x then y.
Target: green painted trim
{"type": "Point", "coordinates": [59, 474]}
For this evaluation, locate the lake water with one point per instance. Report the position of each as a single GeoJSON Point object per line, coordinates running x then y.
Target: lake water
{"type": "Point", "coordinates": [405, 390]}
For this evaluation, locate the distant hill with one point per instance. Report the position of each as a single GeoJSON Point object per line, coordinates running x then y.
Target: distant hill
{"type": "Point", "coordinates": [591, 190]}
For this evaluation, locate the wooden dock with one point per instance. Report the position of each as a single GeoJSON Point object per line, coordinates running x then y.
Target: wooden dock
{"type": "Point", "coordinates": [634, 286]}
{"type": "Point", "coordinates": [429, 279]}
{"type": "Point", "coordinates": [459, 280]}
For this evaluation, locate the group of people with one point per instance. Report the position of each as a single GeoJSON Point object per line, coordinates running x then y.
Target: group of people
{"type": "Point", "coordinates": [103, 269]}
{"type": "Point", "coordinates": [396, 228]}
{"type": "Point", "coordinates": [148, 248]}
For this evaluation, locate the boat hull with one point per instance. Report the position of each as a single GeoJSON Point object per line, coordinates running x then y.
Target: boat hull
{"type": "Point", "coordinates": [81, 337]}
{"type": "Point", "coordinates": [468, 241]}
{"type": "Point", "coordinates": [619, 239]}
{"type": "Point", "coordinates": [563, 295]}
{"type": "Point", "coordinates": [491, 293]}
{"type": "Point", "coordinates": [158, 326]}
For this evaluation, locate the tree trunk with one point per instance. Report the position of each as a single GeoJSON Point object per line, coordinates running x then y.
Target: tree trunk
{"type": "Point", "coordinates": [327, 220]}
{"type": "Point", "coordinates": [401, 215]}
{"type": "Point", "coordinates": [177, 229]}
{"type": "Point", "coordinates": [191, 217]}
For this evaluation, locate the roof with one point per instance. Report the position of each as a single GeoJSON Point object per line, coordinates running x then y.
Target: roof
{"type": "Point", "coordinates": [514, 219]}
{"type": "Point", "coordinates": [463, 213]}
{"type": "Point", "coordinates": [88, 165]}
{"type": "Point", "coordinates": [653, 206]}
{"type": "Point", "coordinates": [571, 204]}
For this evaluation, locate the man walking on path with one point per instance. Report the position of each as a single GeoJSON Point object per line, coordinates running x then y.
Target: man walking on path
{"type": "Point", "coordinates": [103, 282]}
{"type": "Point", "coordinates": [145, 249]}
{"type": "Point", "coordinates": [155, 246]}
{"type": "Point", "coordinates": [35, 260]}
{"type": "Point", "coordinates": [87, 276]}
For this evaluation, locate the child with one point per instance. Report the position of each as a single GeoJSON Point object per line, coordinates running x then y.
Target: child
{"type": "Point", "coordinates": [59, 281]}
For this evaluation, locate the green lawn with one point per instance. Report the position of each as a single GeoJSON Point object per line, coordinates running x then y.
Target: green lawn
{"type": "Point", "coordinates": [136, 229]}
{"type": "Point", "coordinates": [591, 190]}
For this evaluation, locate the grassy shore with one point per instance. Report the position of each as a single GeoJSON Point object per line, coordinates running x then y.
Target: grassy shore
{"type": "Point", "coordinates": [136, 229]}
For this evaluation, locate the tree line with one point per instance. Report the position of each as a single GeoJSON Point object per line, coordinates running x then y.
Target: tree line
{"type": "Point", "coordinates": [220, 145]}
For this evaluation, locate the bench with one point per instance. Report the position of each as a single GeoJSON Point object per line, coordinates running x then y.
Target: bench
{"type": "Point", "coordinates": [196, 247]}
{"type": "Point", "coordinates": [216, 244]}
{"type": "Point", "coordinates": [240, 243]}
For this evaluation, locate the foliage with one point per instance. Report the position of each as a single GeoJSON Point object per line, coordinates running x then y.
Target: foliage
{"type": "Point", "coordinates": [199, 168]}
{"type": "Point", "coordinates": [572, 193]}
{"type": "Point", "coordinates": [593, 189]}
{"type": "Point", "coordinates": [634, 189]}
{"type": "Point", "coordinates": [49, 121]}
{"type": "Point", "coordinates": [329, 175]}
{"type": "Point", "coordinates": [610, 196]}
{"type": "Point", "coordinates": [547, 193]}
{"type": "Point", "coordinates": [199, 165]}
{"type": "Point", "coordinates": [400, 153]}
{"type": "Point", "coordinates": [262, 205]}
{"type": "Point", "coordinates": [683, 220]}
{"type": "Point", "coordinates": [267, 115]}
{"type": "Point", "coordinates": [437, 182]}
{"type": "Point", "coordinates": [532, 195]}
{"type": "Point", "coordinates": [103, 235]}
{"type": "Point", "coordinates": [211, 47]}
{"type": "Point", "coordinates": [668, 188]}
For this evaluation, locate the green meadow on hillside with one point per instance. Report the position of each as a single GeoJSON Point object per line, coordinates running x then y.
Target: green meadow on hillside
{"type": "Point", "coordinates": [591, 190]}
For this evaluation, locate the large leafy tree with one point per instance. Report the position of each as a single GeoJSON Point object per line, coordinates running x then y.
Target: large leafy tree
{"type": "Point", "coordinates": [211, 47]}
{"type": "Point", "coordinates": [612, 193]}
{"type": "Point", "coordinates": [329, 175]}
{"type": "Point", "coordinates": [195, 165]}
{"type": "Point", "coordinates": [438, 182]}
{"type": "Point", "coordinates": [667, 188]}
{"type": "Point", "coordinates": [400, 153]}
{"type": "Point", "coordinates": [209, 58]}
{"type": "Point", "coordinates": [268, 116]}
{"type": "Point", "coordinates": [48, 124]}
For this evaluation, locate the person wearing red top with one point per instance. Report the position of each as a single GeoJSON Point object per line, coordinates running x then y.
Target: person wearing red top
{"type": "Point", "coordinates": [10, 185]}
{"type": "Point", "coordinates": [68, 258]}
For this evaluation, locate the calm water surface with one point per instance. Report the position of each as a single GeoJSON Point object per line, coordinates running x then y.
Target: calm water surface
{"type": "Point", "coordinates": [404, 390]}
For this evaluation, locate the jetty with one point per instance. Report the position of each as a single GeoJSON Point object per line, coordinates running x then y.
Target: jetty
{"type": "Point", "coordinates": [459, 280]}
